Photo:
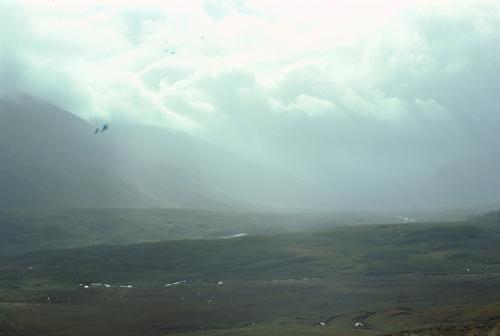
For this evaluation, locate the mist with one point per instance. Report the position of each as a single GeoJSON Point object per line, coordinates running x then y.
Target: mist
{"type": "Point", "coordinates": [369, 105]}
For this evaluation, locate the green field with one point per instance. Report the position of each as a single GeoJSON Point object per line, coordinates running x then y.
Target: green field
{"type": "Point", "coordinates": [430, 278]}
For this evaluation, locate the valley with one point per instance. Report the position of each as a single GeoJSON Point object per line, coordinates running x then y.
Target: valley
{"type": "Point", "coordinates": [387, 279]}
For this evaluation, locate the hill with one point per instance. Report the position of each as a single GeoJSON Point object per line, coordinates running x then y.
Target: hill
{"type": "Point", "coordinates": [468, 182]}
{"type": "Point", "coordinates": [51, 158]}
{"type": "Point", "coordinates": [368, 250]}
{"type": "Point", "coordinates": [401, 279]}
{"type": "Point", "coordinates": [26, 230]}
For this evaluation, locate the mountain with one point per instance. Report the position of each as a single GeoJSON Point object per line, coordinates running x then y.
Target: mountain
{"type": "Point", "coordinates": [468, 182]}
{"type": "Point", "coordinates": [51, 158]}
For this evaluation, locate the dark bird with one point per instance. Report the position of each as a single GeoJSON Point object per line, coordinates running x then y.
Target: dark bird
{"type": "Point", "coordinates": [96, 130]}
{"type": "Point", "coordinates": [104, 127]}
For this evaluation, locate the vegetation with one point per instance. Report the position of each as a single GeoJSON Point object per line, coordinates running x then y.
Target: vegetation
{"type": "Point", "coordinates": [432, 279]}
{"type": "Point", "coordinates": [25, 230]}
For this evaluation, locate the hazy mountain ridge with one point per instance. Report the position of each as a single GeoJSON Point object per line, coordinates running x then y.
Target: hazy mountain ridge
{"type": "Point", "coordinates": [48, 159]}
{"type": "Point", "coordinates": [463, 183]}
{"type": "Point", "coordinates": [51, 158]}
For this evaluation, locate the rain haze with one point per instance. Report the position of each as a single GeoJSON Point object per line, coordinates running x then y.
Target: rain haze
{"type": "Point", "coordinates": [363, 102]}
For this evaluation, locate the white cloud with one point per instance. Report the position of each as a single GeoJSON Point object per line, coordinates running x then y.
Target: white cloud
{"type": "Point", "coordinates": [308, 85]}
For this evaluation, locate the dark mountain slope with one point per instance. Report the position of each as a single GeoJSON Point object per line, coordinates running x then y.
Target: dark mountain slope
{"type": "Point", "coordinates": [51, 158]}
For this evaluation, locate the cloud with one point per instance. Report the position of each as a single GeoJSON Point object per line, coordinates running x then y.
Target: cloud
{"type": "Point", "coordinates": [352, 94]}
{"type": "Point", "coordinates": [218, 9]}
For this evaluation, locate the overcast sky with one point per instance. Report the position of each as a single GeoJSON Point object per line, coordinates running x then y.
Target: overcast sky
{"type": "Point", "coordinates": [376, 92]}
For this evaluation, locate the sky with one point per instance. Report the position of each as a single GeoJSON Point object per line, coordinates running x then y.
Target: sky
{"type": "Point", "coordinates": [362, 95]}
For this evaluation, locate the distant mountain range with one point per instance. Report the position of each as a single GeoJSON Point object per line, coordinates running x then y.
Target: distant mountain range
{"type": "Point", "coordinates": [471, 181]}
{"type": "Point", "coordinates": [51, 158]}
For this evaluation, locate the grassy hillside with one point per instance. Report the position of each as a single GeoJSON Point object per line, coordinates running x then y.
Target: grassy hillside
{"type": "Point", "coordinates": [392, 278]}
{"type": "Point", "coordinates": [370, 250]}
{"type": "Point", "coordinates": [25, 230]}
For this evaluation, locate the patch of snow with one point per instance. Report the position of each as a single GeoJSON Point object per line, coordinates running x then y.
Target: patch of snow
{"type": "Point", "coordinates": [237, 235]}
{"type": "Point", "coordinates": [176, 283]}
{"type": "Point", "coordinates": [406, 219]}
{"type": "Point", "coordinates": [359, 324]}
